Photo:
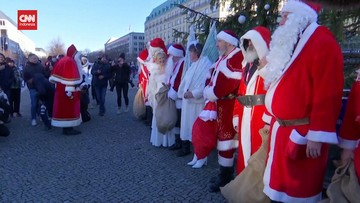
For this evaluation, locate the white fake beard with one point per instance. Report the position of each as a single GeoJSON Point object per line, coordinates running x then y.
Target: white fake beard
{"type": "Point", "coordinates": [221, 52]}
{"type": "Point", "coordinates": [250, 55]}
{"type": "Point", "coordinates": [282, 46]}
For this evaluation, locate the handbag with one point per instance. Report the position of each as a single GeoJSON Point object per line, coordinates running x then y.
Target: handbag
{"type": "Point", "coordinates": [139, 108]}
{"type": "Point", "coordinates": [165, 112]}
{"type": "Point", "coordinates": [344, 186]}
{"type": "Point", "coordinates": [248, 186]}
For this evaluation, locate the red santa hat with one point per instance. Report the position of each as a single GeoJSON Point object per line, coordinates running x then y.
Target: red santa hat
{"type": "Point", "coordinates": [71, 51]}
{"type": "Point", "coordinates": [143, 56]}
{"type": "Point", "coordinates": [260, 37]}
{"type": "Point", "coordinates": [176, 50]}
{"type": "Point", "coordinates": [304, 8]}
{"type": "Point", "coordinates": [228, 36]}
{"type": "Point", "coordinates": [157, 44]}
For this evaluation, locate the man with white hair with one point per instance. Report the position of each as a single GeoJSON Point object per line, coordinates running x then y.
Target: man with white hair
{"type": "Point", "coordinates": [304, 77]}
{"type": "Point", "coordinates": [249, 108]}
{"type": "Point", "coordinates": [222, 88]}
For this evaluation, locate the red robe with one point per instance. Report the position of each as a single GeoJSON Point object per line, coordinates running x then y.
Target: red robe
{"type": "Point", "coordinates": [350, 129]}
{"type": "Point", "coordinates": [143, 79]}
{"type": "Point", "coordinates": [66, 75]}
{"type": "Point", "coordinates": [310, 87]}
{"type": "Point", "coordinates": [175, 80]}
{"type": "Point", "coordinates": [225, 80]}
{"type": "Point", "coordinates": [248, 120]}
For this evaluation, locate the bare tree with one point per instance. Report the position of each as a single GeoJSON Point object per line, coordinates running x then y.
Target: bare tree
{"type": "Point", "coordinates": [86, 51]}
{"type": "Point", "coordinates": [56, 47]}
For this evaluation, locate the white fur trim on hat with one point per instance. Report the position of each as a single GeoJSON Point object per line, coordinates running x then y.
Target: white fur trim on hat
{"type": "Point", "coordinates": [228, 38]}
{"type": "Point", "coordinates": [175, 52]}
{"type": "Point", "coordinates": [258, 42]}
{"type": "Point", "coordinates": [301, 8]}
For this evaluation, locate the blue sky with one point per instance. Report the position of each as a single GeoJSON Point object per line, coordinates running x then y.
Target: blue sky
{"type": "Point", "coordinates": [85, 23]}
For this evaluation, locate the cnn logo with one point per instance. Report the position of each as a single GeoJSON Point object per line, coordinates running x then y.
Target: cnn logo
{"type": "Point", "coordinates": [27, 19]}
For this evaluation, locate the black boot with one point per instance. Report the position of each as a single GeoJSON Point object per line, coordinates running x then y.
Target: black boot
{"type": "Point", "coordinates": [225, 176]}
{"type": "Point", "coordinates": [148, 116]}
{"type": "Point", "coordinates": [185, 149]}
{"type": "Point", "coordinates": [70, 131]}
{"type": "Point", "coordinates": [177, 144]}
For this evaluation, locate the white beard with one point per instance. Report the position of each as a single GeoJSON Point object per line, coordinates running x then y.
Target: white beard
{"type": "Point", "coordinates": [282, 46]}
{"type": "Point", "coordinates": [250, 55]}
{"type": "Point", "coordinates": [221, 52]}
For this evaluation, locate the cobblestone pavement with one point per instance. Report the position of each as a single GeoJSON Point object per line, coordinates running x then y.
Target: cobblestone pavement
{"type": "Point", "coordinates": [111, 161]}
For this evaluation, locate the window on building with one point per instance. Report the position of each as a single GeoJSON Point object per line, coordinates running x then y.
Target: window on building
{"type": "Point", "coordinates": [135, 37]}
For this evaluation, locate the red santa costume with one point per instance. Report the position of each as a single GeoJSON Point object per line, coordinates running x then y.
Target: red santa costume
{"type": "Point", "coordinates": [175, 70]}
{"type": "Point", "coordinates": [67, 76]}
{"type": "Point", "coordinates": [305, 78]}
{"type": "Point", "coordinates": [143, 72]}
{"type": "Point", "coordinates": [223, 87]}
{"type": "Point", "coordinates": [350, 129]}
{"type": "Point", "coordinates": [248, 111]}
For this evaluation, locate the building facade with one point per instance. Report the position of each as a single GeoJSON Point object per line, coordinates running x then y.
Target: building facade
{"type": "Point", "coordinates": [165, 18]}
{"type": "Point", "coordinates": [14, 43]}
{"type": "Point", "coordinates": [131, 44]}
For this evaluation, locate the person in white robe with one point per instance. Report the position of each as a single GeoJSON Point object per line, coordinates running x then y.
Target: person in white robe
{"type": "Point", "coordinates": [191, 91]}
{"type": "Point", "coordinates": [157, 78]}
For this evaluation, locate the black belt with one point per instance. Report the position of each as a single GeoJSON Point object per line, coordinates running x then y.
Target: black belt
{"type": "Point", "coordinates": [252, 100]}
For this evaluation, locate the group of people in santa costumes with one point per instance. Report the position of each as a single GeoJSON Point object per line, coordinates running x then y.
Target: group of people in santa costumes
{"type": "Point", "coordinates": [290, 85]}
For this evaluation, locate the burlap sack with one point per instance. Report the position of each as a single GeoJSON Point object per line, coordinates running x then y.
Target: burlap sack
{"type": "Point", "coordinates": [248, 186]}
{"type": "Point", "coordinates": [165, 113]}
{"type": "Point", "coordinates": [344, 186]}
{"type": "Point", "coordinates": [139, 108]}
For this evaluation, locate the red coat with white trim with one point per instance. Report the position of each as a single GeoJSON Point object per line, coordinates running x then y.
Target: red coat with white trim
{"type": "Point", "coordinates": [350, 129]}
{"type": "Point", "coordinates": [310, 87]}
{"type": "Point", "coordinates": [143, 79]}
{"type": "Point", "coordinates": [175, 80]}
{"type": "Point", "coordinates": [225, 80]}
{"type": "Point", "coordinates": [248, 120]}
{"type": "Point", "coordinates": [66, 76]}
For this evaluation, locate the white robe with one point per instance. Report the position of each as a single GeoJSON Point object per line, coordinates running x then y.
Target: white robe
{"type": "Point", "coordinates": [194, 81]}
{"type": "Point", "coordinates": [156, 81]}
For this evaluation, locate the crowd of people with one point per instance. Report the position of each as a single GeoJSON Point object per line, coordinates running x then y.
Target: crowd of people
{"type": "Point", "coordinates": [61, 81]}
{"type": "Point", "coordinates": [287, 86]}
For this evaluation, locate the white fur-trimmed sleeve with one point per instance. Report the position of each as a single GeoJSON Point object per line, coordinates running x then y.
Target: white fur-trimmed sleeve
{"type": "Point", "coordinates": [348, 144]}
{"type": "Point", "coordinates": [69, 88]}
{"type": "Point", "coordinates": [209, 93]}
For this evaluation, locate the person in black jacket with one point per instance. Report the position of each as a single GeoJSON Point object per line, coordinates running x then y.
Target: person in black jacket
{"type": "Point", "coordinates": [33, 67]}
{"type": "Point", "coordinates": [122, 73]}
{"type": "Point", "coordinates": [101, 75]}
{"type": "Point", "coordinates": [6, 76]}
{"type": "Point", "coordinates": [45, 92]}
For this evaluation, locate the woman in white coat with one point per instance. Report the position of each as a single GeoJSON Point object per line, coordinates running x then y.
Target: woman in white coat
{"type": "Point", "coordinates": [191, 91]}
{"type": "Point", "coordinates": [158, 77]}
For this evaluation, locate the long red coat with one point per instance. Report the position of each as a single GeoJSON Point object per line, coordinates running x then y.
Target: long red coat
{"type": "Point", "coordinates": [350, 129]}
{"type": "Point", "coordinates": [175, 80]}
{"type": "Point", "coordinates": [311, 87]}
{"type": "Point", "coordinates": [225, 80]}
{"type": "Point", "coordinates": [143, 79]}
{"type": "Point", "coordinates": [248, 120]}
{"type": "Point", "coordinates": [66, 75]}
